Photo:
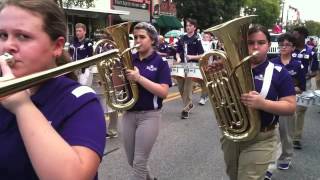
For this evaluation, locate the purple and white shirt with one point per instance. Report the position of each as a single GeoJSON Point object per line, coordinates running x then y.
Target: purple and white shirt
{"type": "Point", "coordinates": [73, 111]}
{"type": "Point", "coordinates": [281, 86]}
{"type": "Point", "coordinates": [296, 70]}
{"type": "Point", "coordinates": [155, 69]}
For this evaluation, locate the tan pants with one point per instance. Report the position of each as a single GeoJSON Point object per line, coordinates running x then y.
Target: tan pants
{"type": "Point", "coordinates": [286, 130]}
{"type": "Point", "coordinates": [249, 160]}
{"type": "Point", "coordinates": [113, 121]}
{"type": "Point", "coordinates": [204, 92]}
{"type": "Point", "coordinates": [299, 123]}
{"type": "Point", "coordinates": [185, 89]}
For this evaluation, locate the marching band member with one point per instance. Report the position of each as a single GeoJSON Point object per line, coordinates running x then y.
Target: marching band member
{"type": "Point", "coordinates": [308, 59]}
{"type": "Point", "coordinates": [82, 48]}
{"type": "Point", "coordinates": [163, 46]}
{"type": "Point", "coordinates": [207, 45]}
{"type": "Point", "coordinates": [287, 45]}
{"type": "Point", "coordinates": [250, 159]}
{"type": "Point", "coordinates": [141, 123]}
{"type": "Point", "coordinates": [56, 129]}
{"type": "Point", "coordinates": [194, 49]}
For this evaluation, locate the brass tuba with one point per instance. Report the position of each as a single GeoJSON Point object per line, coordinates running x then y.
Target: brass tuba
{"type": "Point", "coordinates": [105, 61]}
{"type": "Point", "coordinates": [237, 122]}
{"type": "Point", "coordinates": [120, 93]}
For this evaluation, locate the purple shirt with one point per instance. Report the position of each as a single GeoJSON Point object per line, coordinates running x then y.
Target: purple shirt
{"type": "Point", "coordinates": [81, 49]}
{"type": "Point", "coordinates": [163, 47]}
{"type": "Point", "coordinates": [156, 70]}
{"type": "Point", "coordinates": [73, 111]}
{"type": "Point", "coordinates": [295, 69]}
{"type": "Point", "coordinates": [194, 46]}
{"type": "Point", "coordinates": [281, 86]}
{"type": "Point", "coordinates": [306, 57]}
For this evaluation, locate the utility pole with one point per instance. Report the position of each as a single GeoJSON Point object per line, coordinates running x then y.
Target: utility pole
{"type": "Point", "coordinates": [150, 4]}
{"type": "Point", "coordinates": [282, 11]}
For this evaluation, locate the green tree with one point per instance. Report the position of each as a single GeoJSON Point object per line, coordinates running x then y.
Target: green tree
{"type": "Point", "coordinates": [79, 3]}
{"type": "Point", "coordinates": [208, 12]}
{"type": "Point", "coordinates": [313, 27]}
{"type": "Point", "coordinates": [268, 11]}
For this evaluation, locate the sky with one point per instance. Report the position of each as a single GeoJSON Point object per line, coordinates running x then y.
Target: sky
{"type": "Point", "coordinates": [309, 9]}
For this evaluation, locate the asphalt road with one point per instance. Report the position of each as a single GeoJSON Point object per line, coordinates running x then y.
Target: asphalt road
{"type": "Point", "coordinates": [190, 149]}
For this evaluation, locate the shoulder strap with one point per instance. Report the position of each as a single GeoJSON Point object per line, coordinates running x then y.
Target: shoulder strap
{"type": "Point", "coordinates": [267, 80]}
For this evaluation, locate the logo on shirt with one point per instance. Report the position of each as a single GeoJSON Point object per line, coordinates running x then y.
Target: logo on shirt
{"type": "Point", "coordinates": [292, 72]}
{"type": "Point", "coordinates": [259, 77]}
{"type": "Point", "coordinates": [294, 55]}
{"type": "Point", "coordinates": [151, 68]}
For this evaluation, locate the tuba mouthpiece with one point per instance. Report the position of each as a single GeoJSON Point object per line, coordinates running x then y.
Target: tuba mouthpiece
{"type": "Point", "coordinates": [8, 58]}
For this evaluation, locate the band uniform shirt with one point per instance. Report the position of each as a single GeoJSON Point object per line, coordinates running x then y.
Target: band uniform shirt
{"type": "Point", "coordinates": [155, 69]}
{"type": "Point", "coordinates": [81, 49]}
{"type": "Point", "coordinates": [308, 59]}
{"type": "Point", "coordinates": [194, 46]}
{"type": "Point", "coordinates": [281, 86]}
{"type": "Point", "coordinates": [207, 45]}
{"type": "Point", "coordinates": [163, 47]}
{"type": "Point", "coordinates": [295, 69]}
{"type": "Point", "coordinates": [73, 111]}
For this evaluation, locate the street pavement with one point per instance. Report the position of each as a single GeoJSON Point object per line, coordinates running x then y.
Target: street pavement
{"type": "Point", "coordinates": [189, 149]}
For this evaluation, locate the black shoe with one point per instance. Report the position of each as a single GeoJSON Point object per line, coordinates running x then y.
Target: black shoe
{"type": "Point", "coordinates": [297, 145]}
{"type": "Point", "coordinates": [184, 115]}
{"type": "Point", "coordinates": [268, 175]}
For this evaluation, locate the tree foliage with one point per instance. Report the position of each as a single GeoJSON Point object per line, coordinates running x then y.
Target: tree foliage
{"type": "Point", "coordinates": [268, 11]}
{"type": "Point", "coordinates": [78, 3]}
{"type": "Point", "coordinates": [313, 27]}
{"type": "Point", "coordinates": [208, 12]}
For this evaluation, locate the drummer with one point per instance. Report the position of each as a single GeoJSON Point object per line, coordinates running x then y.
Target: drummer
{"type": "Point", "coordinates": [308, 58]}
{"type": "Point", "coordinates": [162, 47]}
{"type": "Point", "coordinates": [193, 53]}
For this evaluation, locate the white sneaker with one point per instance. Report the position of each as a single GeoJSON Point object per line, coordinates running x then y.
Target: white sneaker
{"type": "Point", "coordinates": [203, 100]}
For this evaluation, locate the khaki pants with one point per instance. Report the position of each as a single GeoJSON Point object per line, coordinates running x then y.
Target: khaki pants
{"type": "Point", "coordinates": [286, 131]}
{"type": "Point", "coordinates": [299, 123]}
{"type": "Point", "coordinates": [249, 160]}
{"type": "Point", "coordinates": [185, 89]}
{"type": "Point", "coordinates": [204, 92]}
{"type": "Point", "coordinates": [299, 119]}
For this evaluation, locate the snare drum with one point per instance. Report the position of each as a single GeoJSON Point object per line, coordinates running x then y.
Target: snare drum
{"type": "Point", "coordinates": [317, 97]}
{"type": "Point", "coordinates": [305, 99]}
{"type": "Point", "coordinates": [193, 71]}
{"type": "Point", "coordinates": [177, 70]}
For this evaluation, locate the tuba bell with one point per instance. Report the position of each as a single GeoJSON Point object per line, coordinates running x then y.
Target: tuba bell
{"type": "Point", "coordinates": [237, 122]}
{"type": "Point", "coordinates": [120, 93]}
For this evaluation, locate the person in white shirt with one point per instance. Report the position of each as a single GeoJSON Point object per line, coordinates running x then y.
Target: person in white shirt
{"type": "Point", "coordinates": [207, 45]}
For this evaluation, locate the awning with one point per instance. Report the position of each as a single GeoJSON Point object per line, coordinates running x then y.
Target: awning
{"type": "Point", "coordinates": [170, 22]}
{"type": "Point", "coordinates": [109, 11]}
{"type": "Point", "coordinates": [92, 13]}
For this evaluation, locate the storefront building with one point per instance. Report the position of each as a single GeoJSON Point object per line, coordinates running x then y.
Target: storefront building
{"type": "Point", "coordinates": [161, 13]}
{"type": "Point", "coordinates": [96, 17]}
